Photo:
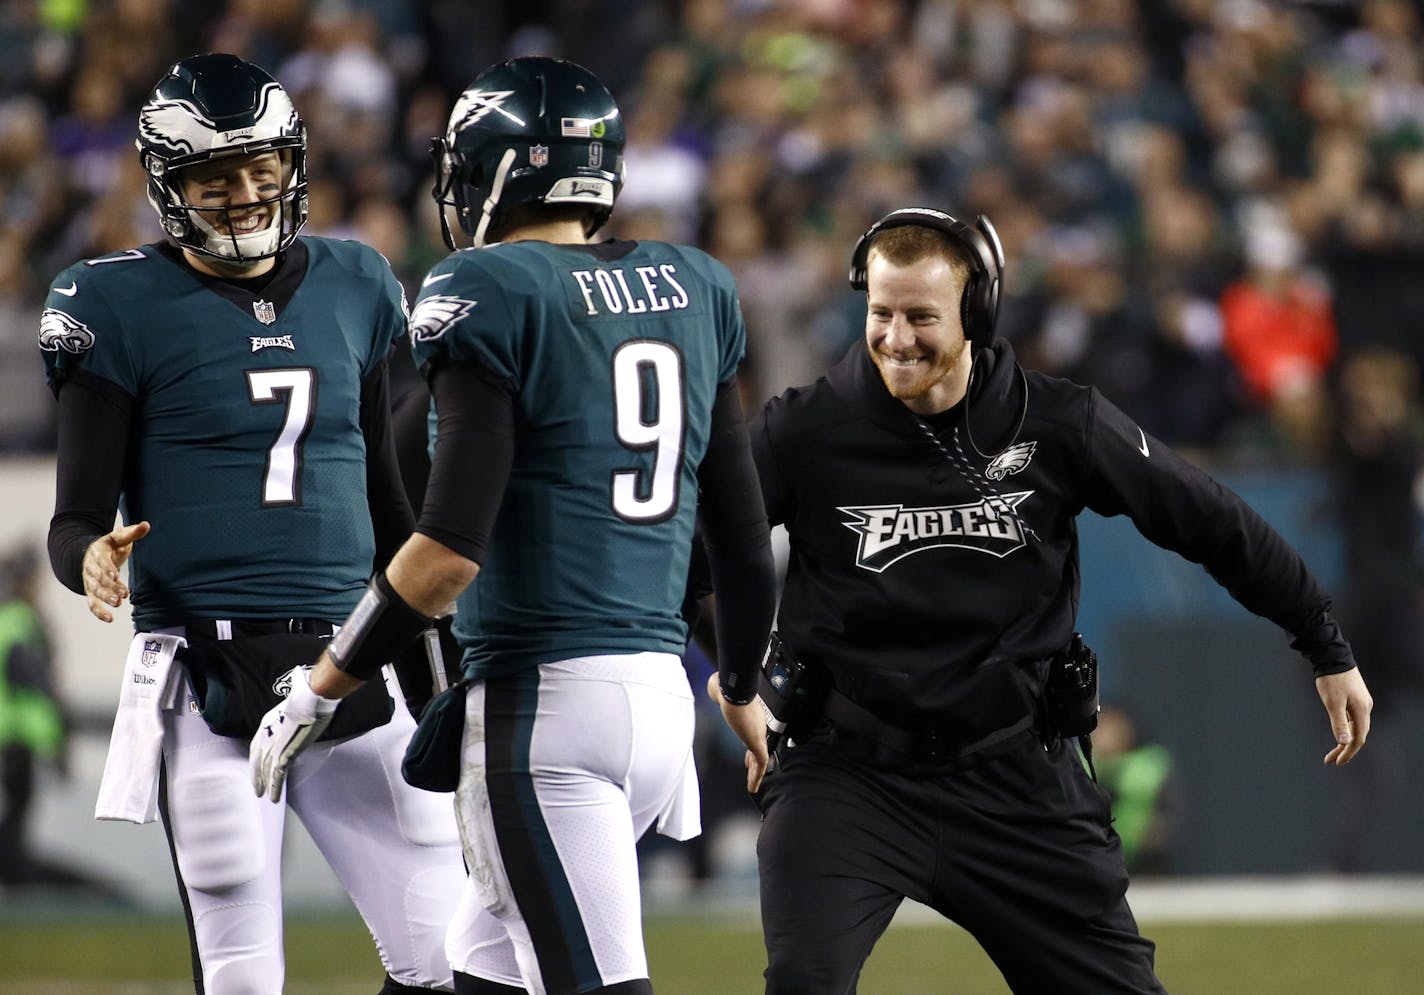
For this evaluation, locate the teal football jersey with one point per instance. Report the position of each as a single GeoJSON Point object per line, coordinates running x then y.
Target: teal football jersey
{"type": "Point", "coordinates": [246, 452]}
{"type": "Point", "coordinates": [614, 353]}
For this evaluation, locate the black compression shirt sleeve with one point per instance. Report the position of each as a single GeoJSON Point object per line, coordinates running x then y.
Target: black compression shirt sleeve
{"type": "Point", "coordinates": [738, 544]}
{"type": "Point", "coordinates": [94, 419]}
{"type": "Point", "coordinates": [391, 516]}
{"type": "Point", "coordinates": [410, 410]}
{"type": "Point", "coordinates": [474, 449]}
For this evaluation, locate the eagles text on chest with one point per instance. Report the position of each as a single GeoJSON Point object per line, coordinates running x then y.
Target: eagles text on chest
{"type": "Point", "coordinates": [260, 342]}
{"type": "Point", "coordinates": [890, 532]}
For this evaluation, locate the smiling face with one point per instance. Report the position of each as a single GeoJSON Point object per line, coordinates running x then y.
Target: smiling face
{"type": "Point", "coordinates": [913, 328]}
{"type": "Point", "coordinates": [237, 201]}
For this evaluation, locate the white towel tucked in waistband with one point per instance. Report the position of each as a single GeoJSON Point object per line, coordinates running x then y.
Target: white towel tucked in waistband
{"type": "Point", "coordinates": [681, 818]}
{"type": "Point", "coordinates": [129, 790]}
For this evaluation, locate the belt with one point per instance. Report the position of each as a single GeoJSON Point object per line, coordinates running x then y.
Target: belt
{"type": "Point", "coordinates": [863, 734]}
{"type": "Point", "coordinates": [248, 628]}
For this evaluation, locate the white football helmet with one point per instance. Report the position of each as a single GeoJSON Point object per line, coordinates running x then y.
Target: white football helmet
{"type": "Point", "coordinates": [211, 106]}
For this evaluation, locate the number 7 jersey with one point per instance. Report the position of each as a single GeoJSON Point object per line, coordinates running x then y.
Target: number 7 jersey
{"type": "Point", "coordinates": [613, 353]}
{"type": "Point", "coordinates": [245, 447]}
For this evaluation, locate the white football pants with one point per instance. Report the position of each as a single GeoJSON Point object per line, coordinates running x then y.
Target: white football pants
{"type": "Point", "coordinates": [564, 767]}
{"type": "Point", "coordinates": [394, 848]}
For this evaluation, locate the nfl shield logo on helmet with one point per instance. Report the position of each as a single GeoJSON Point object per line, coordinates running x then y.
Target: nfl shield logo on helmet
{"type": "Point", "coordinates": [265, 311]}
{"type": "Point", "coordinates": [538, 155]}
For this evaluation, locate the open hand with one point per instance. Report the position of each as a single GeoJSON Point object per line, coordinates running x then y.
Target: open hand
{"type": "Point", "coordinates": [105, 557]}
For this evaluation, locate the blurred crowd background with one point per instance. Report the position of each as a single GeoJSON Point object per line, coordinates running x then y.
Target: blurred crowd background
{"type": "Point", "coordinates": [1212, 209]}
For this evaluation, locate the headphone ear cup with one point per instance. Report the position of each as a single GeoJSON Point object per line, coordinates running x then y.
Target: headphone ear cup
{"type": "Point", "coordinates": [981, 308]}
{"type": "Point", "coordinates": [990, 307]}
{"type": "Point", "coordinates": [860, 260]}
{"type": "Point", "coordinates": [971, 311]}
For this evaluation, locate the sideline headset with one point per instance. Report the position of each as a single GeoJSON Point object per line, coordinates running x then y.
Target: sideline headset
{"type": "Point", "coordinates": [979, 308]}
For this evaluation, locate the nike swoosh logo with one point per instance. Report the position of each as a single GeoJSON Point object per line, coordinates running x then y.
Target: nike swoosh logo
{"type": "Point", "coordinates": [436, 279]}
{"type": "Point", "coordinates": [1143, 448]}
{"type": "Point", "coordinates": [69, 292]}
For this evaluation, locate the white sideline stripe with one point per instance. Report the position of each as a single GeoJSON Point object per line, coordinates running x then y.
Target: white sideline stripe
{"type": "Point", "coordinates": [1297, 898]}
{"type": "Point", "coordinates": [1255, 899]}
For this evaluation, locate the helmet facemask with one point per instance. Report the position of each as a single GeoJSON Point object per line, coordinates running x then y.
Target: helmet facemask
{"type": "Point", "coordinates": [215, 230]}
{"type": "Point", "coordinates": [460, 191]}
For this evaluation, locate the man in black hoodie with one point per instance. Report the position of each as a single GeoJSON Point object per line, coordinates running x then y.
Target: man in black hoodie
{"type": "Point", "coordinates": [929, 486]}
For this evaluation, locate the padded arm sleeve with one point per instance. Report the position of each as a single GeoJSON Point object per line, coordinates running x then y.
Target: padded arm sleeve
{"type": "Point", "coordinates": [474, 449]}
{"type": "Point", "coordinates": [391, 516]}
{"type": "Point", "coordinates": [94, 419]}
{"type": "Point", "coordinates": [738, 544]}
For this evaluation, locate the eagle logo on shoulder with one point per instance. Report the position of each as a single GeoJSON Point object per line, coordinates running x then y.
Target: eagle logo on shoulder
{"type": "Point", "coordinates": [435, 315]}
{"type": "Point", "coordinates": [1011, 460]}
{"type": "Point", "coordinates": [61, 331]}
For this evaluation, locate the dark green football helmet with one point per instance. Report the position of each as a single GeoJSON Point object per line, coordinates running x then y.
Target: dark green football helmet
{"type": "Point", "coordinates": [531, 130]}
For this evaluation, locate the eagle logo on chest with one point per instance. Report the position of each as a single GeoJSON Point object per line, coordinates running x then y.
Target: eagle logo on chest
{"type": "Point", "coordinates": [1011, 460]}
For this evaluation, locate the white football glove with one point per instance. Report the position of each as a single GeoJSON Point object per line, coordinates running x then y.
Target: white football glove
{"type": "Point", "coordinates": [285, 731]}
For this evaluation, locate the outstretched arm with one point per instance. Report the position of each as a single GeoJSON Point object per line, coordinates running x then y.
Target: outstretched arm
{"type": "Point", "coordinates": [85, 550]}
{"type": "Point", "coordinates": [1179, 507]}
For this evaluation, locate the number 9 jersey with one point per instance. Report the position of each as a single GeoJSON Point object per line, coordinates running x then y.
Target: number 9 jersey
{"type": "Point", "coordinates": [613, 353]}
{"type": "Point", "coordinates": [246, 451]}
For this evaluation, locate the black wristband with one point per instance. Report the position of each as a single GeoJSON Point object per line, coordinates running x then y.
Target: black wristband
{"type": "Point", "coordinates": [377, 631]}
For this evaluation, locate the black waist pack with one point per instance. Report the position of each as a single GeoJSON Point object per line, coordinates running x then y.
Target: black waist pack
{"type": "Point", "coordinates": [432, 757]}
{"type": "Point", "coordinates": [793, 692]}
{"type": "Point", "coordinates": [1073, 689]}
{"type": "Point", "coordinates": [236, 682]}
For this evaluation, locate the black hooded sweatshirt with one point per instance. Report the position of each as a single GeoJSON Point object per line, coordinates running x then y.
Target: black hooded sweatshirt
{"type": "Point", "coordinates": [934, 562]}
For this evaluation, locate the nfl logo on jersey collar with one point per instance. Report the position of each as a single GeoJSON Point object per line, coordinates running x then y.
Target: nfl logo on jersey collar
{"type": "Point", "coordinates": [265, 311]}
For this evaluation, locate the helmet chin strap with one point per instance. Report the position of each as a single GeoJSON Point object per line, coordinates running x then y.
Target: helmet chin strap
{"type": "Point", "coordinates": [506, 162]}
{"type": "Point", "coordinates": [231, 246]}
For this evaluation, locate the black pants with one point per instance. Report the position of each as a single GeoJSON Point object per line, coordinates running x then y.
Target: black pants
{"type": "Point", "coordinates": [1014, 845]}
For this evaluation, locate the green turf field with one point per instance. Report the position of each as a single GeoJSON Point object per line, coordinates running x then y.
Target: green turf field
{"type": "Point", "coordinates": [53, 955]}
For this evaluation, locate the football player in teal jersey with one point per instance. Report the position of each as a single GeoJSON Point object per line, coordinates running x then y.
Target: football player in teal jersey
{"type": "Point", "coordinates": [227, 388]}
{"type": "Point", "coordinates": [587, 404]}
